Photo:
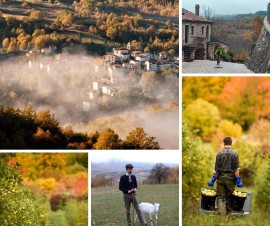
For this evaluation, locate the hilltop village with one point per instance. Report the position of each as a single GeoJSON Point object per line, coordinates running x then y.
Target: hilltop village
{"type": "Point", "coordinates": [108, 72]}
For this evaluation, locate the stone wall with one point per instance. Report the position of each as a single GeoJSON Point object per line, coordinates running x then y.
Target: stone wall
{"type": "Point", "coordinates": [259, 60]}
{"type": "Point", "coordinates": [212, 46]}
{"type": "Point", "coordinates": [197, 31]}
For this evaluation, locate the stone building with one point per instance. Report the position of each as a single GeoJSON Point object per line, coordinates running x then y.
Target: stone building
{"type": "Point", "coordinates": [196, 35]}
{"type": "Point", "coordinates": [259, 60]}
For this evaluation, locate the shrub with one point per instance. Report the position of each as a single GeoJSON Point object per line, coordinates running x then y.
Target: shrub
{"type": "Point", "coordinates": [58, 202]}
{"type": "Point", "coordinates": [77, 212]}
{"type": "Point", "coordinates": [249, 160]}
{"type": "Point", "coordinates": [229, 128]}
{"type": "Point", "coordinates": [57, 218]}
{"type": "Point", "coordinates": [197, 162]}
{"type": "Point", "coordinates": [262, 181]}
{"type": "Point", "coordinates": [17, 204]}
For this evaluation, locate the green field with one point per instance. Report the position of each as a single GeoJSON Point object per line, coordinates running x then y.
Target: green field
{"type": "Point", "coordinates": [108, 205]}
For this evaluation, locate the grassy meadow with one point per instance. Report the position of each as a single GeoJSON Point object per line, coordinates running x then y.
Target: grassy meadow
{"type": "Point", "coordinates": [192, 216]}
{"type": "Point", "coordinates": [108, 205]}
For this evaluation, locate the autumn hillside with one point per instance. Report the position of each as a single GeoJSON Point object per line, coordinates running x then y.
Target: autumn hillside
{"type": "Point", "coordinates": [98, 25]}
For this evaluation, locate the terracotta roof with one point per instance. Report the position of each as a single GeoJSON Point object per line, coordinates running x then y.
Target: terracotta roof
{"type": "Point", "coordinates": [189, 16]}
{"type": "Point", "coordinates": [163, 53]}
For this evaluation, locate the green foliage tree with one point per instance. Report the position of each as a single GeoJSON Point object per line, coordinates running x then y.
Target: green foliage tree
{"type": "Point", "coordinates": [138, 139]}
{"type": "Point", "coordinates": [262, 181]}
{"type": "Point", "coordinates": [197, 162]}
{"type": "Point", "coordinates": [17, 204]}
{"type": "Point", "coordinates": [203, 116]}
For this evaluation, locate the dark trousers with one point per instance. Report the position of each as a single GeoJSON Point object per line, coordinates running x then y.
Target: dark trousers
{"type": "Point", "coordinates": [128, 199]}
{"type": "Point", "coordinates": [218, 59]}
{"type": "Point", "coordinates": [225, 188]}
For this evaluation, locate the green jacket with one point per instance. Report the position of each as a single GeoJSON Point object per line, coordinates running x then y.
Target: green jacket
{"type": "Point", "coordinates": [219, 52]}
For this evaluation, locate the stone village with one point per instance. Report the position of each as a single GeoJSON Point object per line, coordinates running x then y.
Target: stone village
{"type": "Point", "coordinates": [108, 70]}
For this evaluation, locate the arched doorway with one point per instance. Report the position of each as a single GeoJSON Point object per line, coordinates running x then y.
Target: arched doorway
{"type": "Point", "coordinates": [200, 54]}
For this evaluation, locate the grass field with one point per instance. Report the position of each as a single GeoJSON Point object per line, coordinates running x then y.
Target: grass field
{"type": "Point", "coordinates": [108, 205]}
{"type": "Point", "coordinates": [192, 216]}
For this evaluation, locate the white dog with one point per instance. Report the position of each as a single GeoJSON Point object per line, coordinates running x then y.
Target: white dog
{"type": "Point", "coordinates": [151, 209]}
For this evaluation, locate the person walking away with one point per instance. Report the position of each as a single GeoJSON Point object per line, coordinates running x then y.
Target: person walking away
{"type": "Point", "coordinates": [128, 185]}
{"type": "Point", "coordinates": [218, 54]}
{"type": "Point", "coordinates": [227, 174]}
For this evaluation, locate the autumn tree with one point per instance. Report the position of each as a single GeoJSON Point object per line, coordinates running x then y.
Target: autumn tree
{"type": "Point", "coordinates": [203, 117]}
{"type": "Point", "coordinates": [5, 43]}
{"type": "Point", "coordinates": [111, 32]}
{"type": "Point", "coordinates": [207, 88]}
{"type": "Point", "coordinates": [108, 139]}
{"type": "Point", "coordinates": [48, 164]}
{"type": "Point", "coordinates": [35, 15]}
{"type": "Point", "coordinates": [138, 139]}
{"type": "Point", "coordinates": [64, 18]}
{"type": "Point", "coordinates": [241, 105]}
{"type": "Point", "coordinates": [12, 46]}
{"type": "Point", "coordinates": [40, 42]}
{"type": "Point", "coordinates": [229, 128]}
{"type": "Point", "coordinates": [260, 133]}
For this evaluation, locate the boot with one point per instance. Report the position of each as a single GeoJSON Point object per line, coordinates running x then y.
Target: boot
{"type": "Point", "coordinates": [221, 206]}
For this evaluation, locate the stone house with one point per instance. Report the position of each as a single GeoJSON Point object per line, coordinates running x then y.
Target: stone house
{"type": "Point", "coordinates": [151, 65]}
{"type": "Point", "coordinates": [122, 53]}
{"type": "Point", "coordinates": [163, 55]}
{"type": "Point", "coordinates": [110, 58]}
{"type": "Point", "coordinates": [49, 50]}
{"type": "Point", "coordinates": [196, 35]}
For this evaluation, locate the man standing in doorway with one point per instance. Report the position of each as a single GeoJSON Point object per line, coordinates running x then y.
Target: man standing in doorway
{"type": "Point", "coordinates": [227, 174]}
{"type": "Point", "coordinates": [218, 54]}
{"type": "Point", "coordinates": [128, 185]}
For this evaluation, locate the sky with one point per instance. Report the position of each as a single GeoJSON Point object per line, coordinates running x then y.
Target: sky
{"type": "Point", "coordinates": [146, 156]}
{"type": "Point", "coordinates": [226, 7]}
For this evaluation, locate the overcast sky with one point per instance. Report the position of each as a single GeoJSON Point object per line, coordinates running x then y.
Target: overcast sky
{"type": "Point", "coordinates": [148, 156]}
{"type": "Point", "coordinates": [228, 6]}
